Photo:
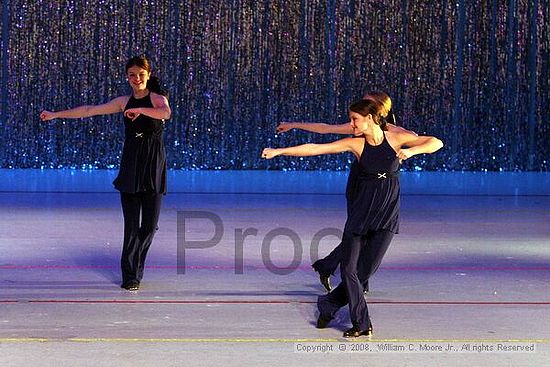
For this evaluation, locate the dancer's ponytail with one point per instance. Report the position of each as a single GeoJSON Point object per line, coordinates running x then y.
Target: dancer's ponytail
{"type": "Point", "coordinates": [153, 84]}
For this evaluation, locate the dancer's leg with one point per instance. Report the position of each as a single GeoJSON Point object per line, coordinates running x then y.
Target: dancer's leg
{"type": "Point", "coordinates": [329, 304]}
{"type": "Point", "coordinates": [131, 208]}
{"type": "Point", "coordinates": [151, 204]}
{"type": "Point", "coordinates": [372, 254]}
{"type": "Point", "coordinates": [327, 265]}
{"type": "Point", "coordinates": [359, 313]}
{"type": "Point", "coordinates": [372, 248]}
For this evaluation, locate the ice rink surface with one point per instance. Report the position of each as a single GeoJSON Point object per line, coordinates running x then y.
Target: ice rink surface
{"type": "Point", "coordinates": [228, 278]}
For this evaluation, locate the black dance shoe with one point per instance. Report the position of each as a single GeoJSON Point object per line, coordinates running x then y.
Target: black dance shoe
{"type": "Point", "coordinates": [366, 289]}
{"type": "Point", "coordinates": [322, 322]}
{"type": "Point", "coordinates": [132, 285]}
{"type": "Point", "coordinates": [323, 278]}
{"type": "Point", "coordinates": [325, 281]}
{"type": "Point", "coordinates": [355, 332]}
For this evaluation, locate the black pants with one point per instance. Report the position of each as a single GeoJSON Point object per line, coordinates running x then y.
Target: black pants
{"type": "Point", "coordinates": [141, 213]}
{"type": "Point", "coordinates": [327, 265]}
{"type": "Point", "coordinates": [361, 256]}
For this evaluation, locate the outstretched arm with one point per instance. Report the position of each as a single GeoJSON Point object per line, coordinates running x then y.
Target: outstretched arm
{"type": "Point", "coordinates": [322, 128]}
{"type": "Point", "coordinates": [113, 106]}
{"type": "Point", "coordinates": [316, 127]}
{"type": "Point", "coordinates": [304, 150]}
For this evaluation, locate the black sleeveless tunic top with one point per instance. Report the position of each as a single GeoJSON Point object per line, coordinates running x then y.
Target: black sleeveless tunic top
{"type": "Point", "coordinates": [374, 204]}
{"type": "Point", "coordinates": [354, 173]}
{"type": "Point", "coordinates": [143, 162]}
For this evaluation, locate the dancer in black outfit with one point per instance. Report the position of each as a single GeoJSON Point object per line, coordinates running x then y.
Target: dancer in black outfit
{"type": "Point", "coordinates": [327, 265]}
{"type": "Point", "coordinates": [373, 216]}
{"type": "Point", "coordinates": [142, 176]}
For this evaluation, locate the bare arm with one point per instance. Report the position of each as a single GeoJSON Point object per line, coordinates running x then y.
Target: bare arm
{"type": "Point", "coordinates": [304, 150]}
{"type": "Point", "coordinates": [114, 106]}
{"type": "Point", "coordinates": [160, 111]}
{"type": "Point", "coordinates": [393, 128]}
{"type": "Point", "coordinates": [322, 128]}
{"type": "Point", "coordinates": [410, 145]}
{"type": "Point", "coordinates": [316, 127]}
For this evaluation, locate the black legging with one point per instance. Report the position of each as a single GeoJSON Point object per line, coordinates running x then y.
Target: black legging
{"type": "Point", "coordinates": [138, 234]}
{"type": "Point", "coordinates": [362, 255]}
{"type": "Point", "coordinates": [327, 265]}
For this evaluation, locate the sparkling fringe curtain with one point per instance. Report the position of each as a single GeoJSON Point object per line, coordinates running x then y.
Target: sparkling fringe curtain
{"type": "Point", "coordinates": [474, 73]}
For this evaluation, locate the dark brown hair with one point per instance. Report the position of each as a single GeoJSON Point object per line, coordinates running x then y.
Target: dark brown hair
{"type": "Point", "coordinates": [153, 84]}
{"type": "Point", "coordinates": [371, 107]}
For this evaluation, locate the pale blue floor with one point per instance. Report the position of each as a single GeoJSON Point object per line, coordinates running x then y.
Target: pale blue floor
{"type": "Point", "coordinates": [471, 266]}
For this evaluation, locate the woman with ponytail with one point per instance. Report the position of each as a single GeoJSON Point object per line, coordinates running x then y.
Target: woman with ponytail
{"type": "Point", "coordinates": [327, 265]}
{"type": "Point", "coordinates": [373, 209]}
{"type": "Point", "coordinates": [142, 176]}
{"type": "Point", "coordinates": [345, 128]}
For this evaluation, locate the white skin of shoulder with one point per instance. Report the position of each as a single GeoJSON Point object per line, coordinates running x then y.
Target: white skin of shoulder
{"type": "Point", "coordinates": [405, 143]}
{"type": "Point", "coordinates": [137, 78]}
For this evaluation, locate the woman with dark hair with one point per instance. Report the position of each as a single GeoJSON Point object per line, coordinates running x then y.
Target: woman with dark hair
{"type": "Point", "coordinates": [327, 265]}
{"type": "Point", "coordinates": [141, 179]}
{"type": "Point", "coordinates": [373, 214]}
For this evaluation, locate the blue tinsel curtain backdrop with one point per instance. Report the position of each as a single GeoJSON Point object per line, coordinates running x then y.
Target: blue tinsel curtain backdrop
{"type": "Point", "coordinates": [474, 73]}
